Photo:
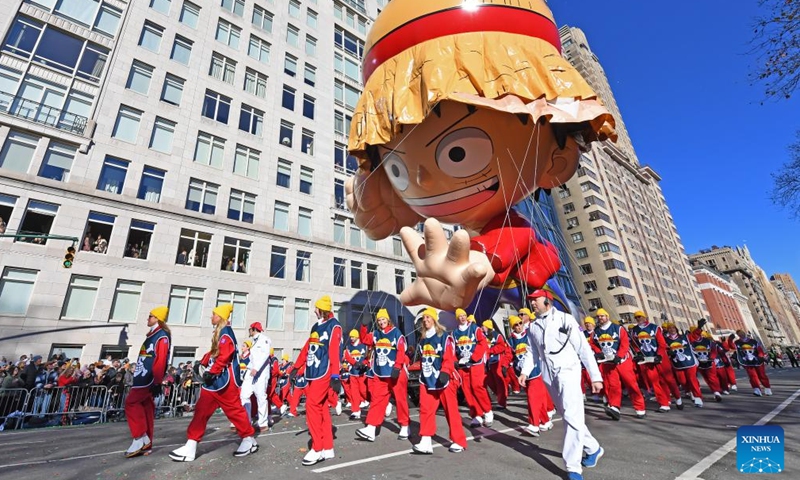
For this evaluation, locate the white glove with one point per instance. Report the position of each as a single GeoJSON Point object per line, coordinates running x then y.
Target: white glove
{"type": "Point", "coordinates": [463, 361]}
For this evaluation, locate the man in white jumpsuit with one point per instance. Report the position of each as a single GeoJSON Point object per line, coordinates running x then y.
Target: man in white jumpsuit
{"type": "Point", "coordinates": [559, 347]}
{"type": "Point", "coordinates": [257, 376]}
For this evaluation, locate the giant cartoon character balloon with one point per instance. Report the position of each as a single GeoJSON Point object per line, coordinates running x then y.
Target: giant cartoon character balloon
{"type": "Point", "coordinates": [467, 108]}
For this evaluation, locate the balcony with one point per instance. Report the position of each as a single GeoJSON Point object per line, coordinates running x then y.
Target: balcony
{"type": "Point", "coordinates": [42, 114]}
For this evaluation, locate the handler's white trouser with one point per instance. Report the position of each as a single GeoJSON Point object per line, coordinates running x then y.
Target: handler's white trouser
{"type": "Point", "coordinates": [260, 389]}
{"type": "Point", "coordinates": [565, 389]}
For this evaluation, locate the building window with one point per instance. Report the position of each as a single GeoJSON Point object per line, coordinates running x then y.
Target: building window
{"type": "Point", "coordinates": [302, 309]}
{"type": "Point", "coordinates": [125, 307]}
{"type": "Point", "coordinates": [339, 267]}
{"type": "Point", "coordinates": [236, 7]}
{"type": "Point", "coordinates": [280, 220]}
{"type": "Point", "coordinates": [172, 90]}
{"type": "Point", "coordinates": [372, 277]}
{"type": "Point", "coordinates": [275, 313]}
{"type": "Point", "coordinates": [181, 50]}
{"type": "Point", "coordinates": [311, 46]}
{"type": "Point", "coordinates": [239, 302]}
{"type": "Point", "coordinates": [284, 178]}
{"type": "Point", "coordinates": [277, 262]}
{"type": "Point", "coordinates": [294, 8]}
{"type": "Point", "coordinates": [306, 180]}
{"type": "Point", "coordinates": [209, 150]}
{"type": "Point", "coordinates": [303, 266]}
{"type": "Point", "coordinates": [397, 246]}
{"type": "Point", "coordinates": [255, 83]}
{"type": "Point", "coordinates": [236, 255]}
{"type": "Point", "coordinates": [338, 230]}
{"type": "Point", "coordinates": [355, 236]}
{"type": "Point", "coordinates": [286, 133]}
{"type": "Point", "coordinates": [139, 237]}
{"type": "Point", "coordinates": [202, 196]}
{"type": "Point", "coordinates": [57, 161]}
{"type": "Point", "coordinates": [568, 208]}
{"type": "Point", "coordinates": [290, 65]}
{"type": "Point", "coordinates": [251, 120]}
{"type": "Point", "coordinates": [611, 264]}
{"type": "Point", "coordinates": [288, 97]}
{"type": "Point", "coordinates": [107, 20]}
{"type": "Point", "coordinates": [161, 6]}
{"type": "Point", "coordinates": [81, 294]}
{"type": "Point", "coordinates": [293, 36]}
{"type": "Point", "coordinates": [258, 49]}
{"type": "Point", "coordinates": [581, 253]}
{"type": "Point", "coordinates": [608, 247]}
{"type": "Point", "coordinates": [308, 107]}
{"type": "Point", "coordinates": [563, 192]}
{"type": "Point", "coordinates": [185, 305]}
{"type": "Point", "coordinates": [38, 220]}
{"type": "Point", "coordinates": [98, 232]}
{"type": "Point", "coordinates": [586, 269]}
{"type": "Point", "coordinates": [193, 248]}
{"type": "Point", "coordinates": [151, 36]}
{"type": "Point", "coordinates": [16, 288]}
{"type": "Point", "coordinates": [190, 13]}
{"type": "Point", "coordinates": [310, 75]}
{"type": "Point", "coordinates": [304, 222]}
{"type": "Point", "coordinates": [399, 281]}
{"type": "Point", "coordinates": [246, 162]}
{"type": "Point", "coordinates": [126, 127]}
{"type": "Point", "coordinates": [139, 77]}
{"type": "Point", "coordinates": [18, 151]}
{"type": "Point", "coordinates": [222, 68]}
{"type": "Point", "coordinates": [161, 138]}
{"type": "Point", "coordinates": [355, 274]}
{"type": "Point", "coordinates": [262, 19]}
{"type": "Point", "coordinates": [7, 204]}
{"type": "Point", "coordinates": [241, 206]}
{"type": "Point", "coordinates": [572, 222]}
{"type": "Point", "coordinates": [216, 107]}
{"type": "Point", "coordinates": [228, 34]}
{"type": "Point", "coordinates": [338, 193]}
{"type": "Point", "coordinates": [311, 18]}
{"type": "Point", "coordinates": [112, 176]}
{"type": "Point", "coordinates": [151, 184]}
{"type": "Point", "coordinates": [345, 94]}
{"type": "Point", "coordinates": [577, 237]}
{"type": "Point", "coordinates": [307, 142]}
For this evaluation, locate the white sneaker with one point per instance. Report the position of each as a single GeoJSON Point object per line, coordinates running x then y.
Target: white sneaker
{"type": "Point", "coordinates": [476, 422]}
{"type": "Point", "coordinates": [367, 433]}
{"type": "Point", "coordinates": [757, 392]}
{"type": "Point", "coordinates": [347, 405]}
{"type": "Point", "coordinates": [137, 446]}
{"type": "Point", "coordinates": [725, 392]}
{"type": "Point", "coordinates": [551, 414]}
{"type": "Point", "coordinates": [717, 397]}
{"type": "Point", "coordinates": [338, 408]}
{"type": "Point", "coordinates": [264, 426]}
{"type": "Point", "coordinates": [546, 426]}
{"type": "Point", "coordinates": [698, 402]}
{"type": "Point", "coordinates": [532, 430]}
{"type": "Point", "coordinates": [364, 404]}
{"type": "Point", "coordinates": [283, 409]}
{"type": "Point", "coordinates": [328, 454]}
{"type": "Point", "coordinates": [424, 446]}
{"type": "Point", "coordinates": [388, 410]}
{"type": "Point", "coordinates": [355, 415]}
{"type": "Point", "coordinates": [663, 408]}
{"type": "Point", "coordinates": [456, 448]}
{"type": "Point", "coordinates": [768, 392]}
{"type": "Point", "coordinates": [403, 435]}
{"type": "Point", "coordinates": [186, 453]}
{"type": "Point", "coordinates": [734, 388]}
{"type": "Point", "coordinates": [488, 418]}
{"type": "Point", "coordinates": [312, 458]}
{"type": "Point", "coordinates": [248, 446]}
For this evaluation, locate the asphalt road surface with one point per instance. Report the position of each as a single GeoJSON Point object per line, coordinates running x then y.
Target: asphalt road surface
{"type": "Point", "coordinates": [696, 443]}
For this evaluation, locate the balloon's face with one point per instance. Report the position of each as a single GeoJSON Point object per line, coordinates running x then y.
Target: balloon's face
{"type": "Point", "coordinates": [468, 165]}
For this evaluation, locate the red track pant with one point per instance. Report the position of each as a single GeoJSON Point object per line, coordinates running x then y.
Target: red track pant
{"type": "Point", "coordinates": [355, 389]}
{"type": "Point", "coordinates": [140, 411]}
{"type": "Point", "coordinates": [617, 376]}
{"type": "Point", "coordinates": [318, 414]}
{"type": "Point", "coordinates": [473, 384]}
{"type": "Point", "coordinates": [380, 389]}
{"type": "Point", "coordinates": [228, 400]}
{"type": "Point", "coordinates": [513, 381]}
{"type": "Point", "coordinates": [731, 374]}
{"type": "Point", "coordinates": [429, 404]}
{"type": "Point", "coordinates": [537, 401]}
{"type": "Point", "coordinates": [687, 377]}
{"type": "Point", "coordinates": [498, 383]}
{"type": "Point", "coordinates": [659, 385]}
{"type": "Point", "coordinates": [710, 376]}
{"type": "Point", "coordinates": [294, 399]}
{"type": "Point", "coordinates": [756, 375]}
{"type": "Point", "coordinates": [273, 396]}
{"type": "Point", "coordinates": [668, 378]}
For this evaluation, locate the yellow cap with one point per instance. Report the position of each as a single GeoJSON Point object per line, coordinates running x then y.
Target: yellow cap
{"type": "Point", "coordinates": [706, 335]}
{"type": "Point", "coordinates": [692, 328]}
{"type": "Point", "coordinates": [285, 357]}
{"type": "Point", "coordinates": [224, 311]}
{"type": "Point", "coordinates": [488, 324]}
{"type": "Point", "coordinates": [160, 313]}
{"type": "Point", "coordinates": [630, 326]}
{"type": "Point", "coordinates": [601, 311]}
{"type": "Point", "coordinates": [383, 313]}
{"type": "Point", "coordinates": [471, 318]}
{"type": "Point", "coordinates": [459, 312]}
{"type": "Point", "coordinates": [513, 320]}
{"type": "Point", "coordinates": [431, 312]}
{"type": "Point", "coordinates": [324, 303]}
{"type": "Point", "coordinates": [589, 320]}
{"type": "Point", "coordinates": [248, 342]}
{"type": "Point", "coordinates": [272, 351]}
{"type": "Point", "coordinates": [639, 313]}
{"type": "Point", "coordinates": [525, 311]}
{"type": "Point", "coordinates": [666, 325]}
{"type": "Point", "coordinates": [354, 333]}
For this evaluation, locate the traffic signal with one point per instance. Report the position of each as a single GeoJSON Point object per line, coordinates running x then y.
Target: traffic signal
{"type": "Point", "coordinates": [69, 257]}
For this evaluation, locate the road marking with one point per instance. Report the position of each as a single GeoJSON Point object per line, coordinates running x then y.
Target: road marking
{"type": "Point", "coordinates": [706, 463]}
{"type": "Point", "coordinates": [20, 443]}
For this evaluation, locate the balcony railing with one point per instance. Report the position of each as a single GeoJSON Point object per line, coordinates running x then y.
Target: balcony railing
{"type": "Point", "coordinates": [40, 113]}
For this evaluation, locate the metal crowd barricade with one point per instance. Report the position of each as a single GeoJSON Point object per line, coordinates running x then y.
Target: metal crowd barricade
{"type": "Point", "coordinates": [13, 403]}
{"type": "Point", "coordinates": [115, 406]}
{"type": "Point", "coordinates": [183, 398]}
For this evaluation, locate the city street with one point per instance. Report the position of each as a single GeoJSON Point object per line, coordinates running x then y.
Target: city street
{"type": "Point", "coordinates": [686, 445]}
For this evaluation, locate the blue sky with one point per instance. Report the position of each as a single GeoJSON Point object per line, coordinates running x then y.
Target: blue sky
{"type": "Point", "coordinates": [679, 72]}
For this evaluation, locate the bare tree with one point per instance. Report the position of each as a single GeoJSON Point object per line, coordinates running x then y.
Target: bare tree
{"type": "Point", "coordinates": [777, 42]}
{"type": "Point", "coordinates": [786, 188]}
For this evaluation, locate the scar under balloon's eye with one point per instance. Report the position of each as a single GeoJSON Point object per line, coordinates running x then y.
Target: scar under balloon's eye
{"type": "Point", "coordinates": [464, 152]}
{"type": "Point", "coordinates": [396, 170]}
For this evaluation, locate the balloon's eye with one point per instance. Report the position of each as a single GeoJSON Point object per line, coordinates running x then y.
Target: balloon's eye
{"type": "Point", "coordinates": [396, 170]}
{"type": "Point", "coordinates": [464, 153]}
